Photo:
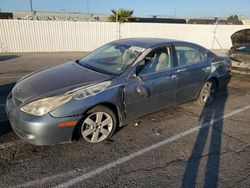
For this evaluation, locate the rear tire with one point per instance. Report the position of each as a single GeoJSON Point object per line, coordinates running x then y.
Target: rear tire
{"type": "Point", "coordinates": [207, 93]}
{"type": "Point", "coordinates": [98, 125]}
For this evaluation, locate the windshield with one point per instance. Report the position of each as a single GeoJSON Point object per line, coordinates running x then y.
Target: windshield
{"type": "Point", "coordinates": [111, 58]}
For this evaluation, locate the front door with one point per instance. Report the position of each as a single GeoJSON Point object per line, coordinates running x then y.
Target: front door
{"type": "Point", "coordinates": [154, 86]}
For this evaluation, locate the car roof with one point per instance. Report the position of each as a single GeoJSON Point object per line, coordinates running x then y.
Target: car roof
{"type": "Point", "coordinates": [145, 42]}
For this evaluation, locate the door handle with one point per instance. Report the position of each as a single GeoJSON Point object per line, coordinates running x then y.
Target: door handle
{"type": "Point", "coordinates": [181, 70]}
{"type": "Point", "coordinates": [171, 77]}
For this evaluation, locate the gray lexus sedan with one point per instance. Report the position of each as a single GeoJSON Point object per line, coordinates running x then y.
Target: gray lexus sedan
{"type": "Point", "coordinates": [118, 82]}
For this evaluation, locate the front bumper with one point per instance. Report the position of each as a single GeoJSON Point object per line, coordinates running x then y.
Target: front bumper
{"type": "Point", "coordinates": [39, 130]}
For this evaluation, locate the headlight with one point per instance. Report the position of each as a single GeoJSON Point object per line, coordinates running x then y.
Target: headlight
{"type": "Point", "coordinates": [84, 92]}
{"type": "Point", "coordinates": [43, 106]}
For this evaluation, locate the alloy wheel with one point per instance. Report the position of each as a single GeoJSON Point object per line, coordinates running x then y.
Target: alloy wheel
{"type": "Point", "coordinates": [97, 127]}
{"type": "Point", "coordinates": [208, 92]}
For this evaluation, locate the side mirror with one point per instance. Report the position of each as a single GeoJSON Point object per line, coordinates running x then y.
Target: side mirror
{"type": "Point", "coordinates": [143, 91]}
{"type": "Point", "coordinates": [136, 77]}
{"type": "Point", "coordinates": [140, 88]}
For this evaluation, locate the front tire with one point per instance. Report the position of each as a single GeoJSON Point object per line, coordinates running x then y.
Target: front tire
{"type": "Point", "coordinates": [207, 93]}
{"type": "Point", "coordinates": [98, 125]}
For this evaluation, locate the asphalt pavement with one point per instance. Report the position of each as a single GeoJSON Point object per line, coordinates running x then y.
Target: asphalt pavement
{"type": "Point", "coordinates": [185, 146]}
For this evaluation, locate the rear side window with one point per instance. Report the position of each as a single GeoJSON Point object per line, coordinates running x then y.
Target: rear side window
{"type": "Point", "coordinates": [188, 55]}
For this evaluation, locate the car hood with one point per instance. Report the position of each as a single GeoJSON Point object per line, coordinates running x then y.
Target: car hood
{"type": "Point", "coordinates": [54, 81]}
{"type": "Point", "coordinates": [241, 38]}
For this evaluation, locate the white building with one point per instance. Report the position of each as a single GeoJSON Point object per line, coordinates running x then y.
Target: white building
{"type": "Point", "coordinates": [246, 22]}
{"type": "Point", "coordinates": [60, 16]}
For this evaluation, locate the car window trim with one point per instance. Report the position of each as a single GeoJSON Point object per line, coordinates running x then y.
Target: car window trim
{"type": "Point", "coordinates": [192, 46]}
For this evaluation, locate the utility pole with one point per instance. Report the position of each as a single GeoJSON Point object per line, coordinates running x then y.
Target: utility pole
{"type": "Point", "coordinates": [116, 16]}
{"type": "Point", "coordinates": [31, 6]}
{"type": "Point", "coordinates": [88, 6]}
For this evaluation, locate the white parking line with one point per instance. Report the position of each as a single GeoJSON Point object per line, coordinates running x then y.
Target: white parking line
{"type": "Point", "coordinates": [9, 144]}
{"type": "Point", "coordinates": [6, 145]}
{"type": "Point", "coordinates": [136, 154]}
{"type": "Point", "coordinates": [35, 183]}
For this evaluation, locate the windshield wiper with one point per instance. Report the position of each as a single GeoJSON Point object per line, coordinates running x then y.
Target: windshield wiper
{"type": "Point", "coordinates": [77, 61]}
{"type": "Point", "coordinates": [94, 68]}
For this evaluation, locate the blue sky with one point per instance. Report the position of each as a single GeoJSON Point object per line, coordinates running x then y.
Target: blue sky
{"type": "Point", "coordinates": [182, 8]}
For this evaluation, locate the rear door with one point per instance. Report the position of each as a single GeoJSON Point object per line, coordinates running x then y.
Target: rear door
{"type": "Point", "coordinates": [193, 69]}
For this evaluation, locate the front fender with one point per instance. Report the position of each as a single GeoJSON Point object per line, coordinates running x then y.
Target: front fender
{"type": "Point", "coordinates": [112, 95]}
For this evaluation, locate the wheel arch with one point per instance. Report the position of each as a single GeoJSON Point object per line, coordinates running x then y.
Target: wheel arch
{"type": "Point", "coordinates": [111, 106]}
{"type": "Point", "coordinates": [215, 79]}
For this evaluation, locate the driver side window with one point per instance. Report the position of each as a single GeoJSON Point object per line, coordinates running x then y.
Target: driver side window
{"type": "Point", "coordinates": [157, 60]}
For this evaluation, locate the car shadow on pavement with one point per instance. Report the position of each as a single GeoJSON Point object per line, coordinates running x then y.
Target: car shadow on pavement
{"type": "Point", "coordinates": [211, 170]}
{"type": "Point", "coordinates": [7, 57]}
{"type": "Point", "coordinates": [4, 122]}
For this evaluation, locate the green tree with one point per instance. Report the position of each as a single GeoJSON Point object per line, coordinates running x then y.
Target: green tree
{"type": "Point", "coordinates": [121, 15]}
{"type": "Point", "coordinates": [233, 18]}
